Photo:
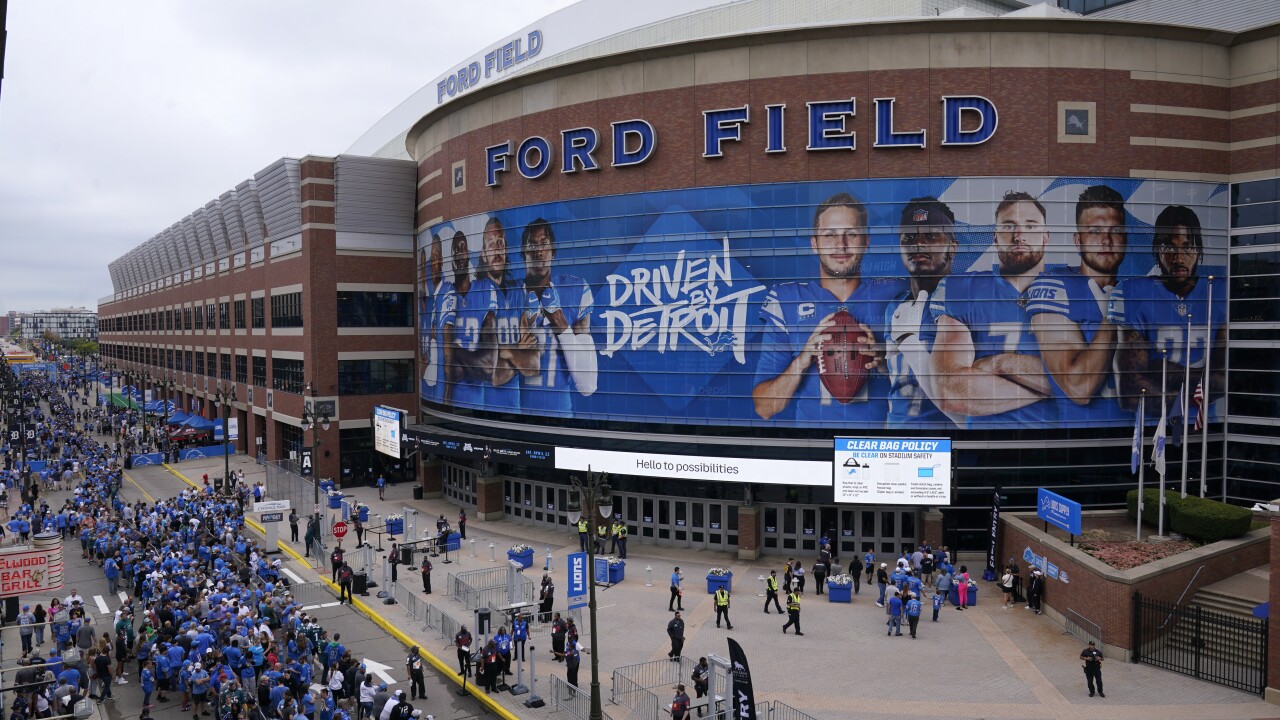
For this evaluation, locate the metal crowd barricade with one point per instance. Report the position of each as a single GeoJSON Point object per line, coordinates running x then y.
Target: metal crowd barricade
{"type": "Point", "coordinates": [406, 599]}
{"type": "Point", "coordinates": [777, 710]}
{"type": "Point", "coordinates": [312, 593]}
{"type": "Point", "coordinates": [575, 700]}
{"type": "Point", "coordinates": [1081, 627]}
{"type": "Point", "coordinates": [629, 679]}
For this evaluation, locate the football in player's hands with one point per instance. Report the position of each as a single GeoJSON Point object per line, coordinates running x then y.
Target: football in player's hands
{"type": "Point", "coordinates": [907, 317]}
{"type": "Point", "coordinates": [841, 367]}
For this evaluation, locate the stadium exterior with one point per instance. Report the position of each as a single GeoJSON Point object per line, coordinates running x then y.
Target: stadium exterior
{"type": "Point", "coordinates": [632, 243]}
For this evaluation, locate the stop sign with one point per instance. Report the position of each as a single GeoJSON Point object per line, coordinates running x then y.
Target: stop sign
{"type": "Point", "coordinates": [340, 529]}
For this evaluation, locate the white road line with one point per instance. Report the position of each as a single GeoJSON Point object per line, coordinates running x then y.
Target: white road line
{"type": "Point", "coordinates": [123, 595]}
{"type": "Point", "coordinates": [293, 576]}
{"type": "Point", "coordinates": [321, 605]}
{"type": "Point", "coordinates": [102, 604]}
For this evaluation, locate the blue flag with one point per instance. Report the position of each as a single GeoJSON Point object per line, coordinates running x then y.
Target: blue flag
{"type": "Point", "coordinates": [1175, 413]}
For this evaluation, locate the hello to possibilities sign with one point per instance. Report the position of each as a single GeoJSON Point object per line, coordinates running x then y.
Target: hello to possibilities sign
{"type": "Point", "coordinates": [967, 120]}
{"type": "Point", "coordinates": [30, 571]}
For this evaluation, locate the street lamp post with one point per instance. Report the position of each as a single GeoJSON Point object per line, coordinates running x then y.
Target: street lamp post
{"type": "Point", "coordinates": [168, 385]}
{"type": "Point", "coordinates": [225, 399]}
{"type": "Point", "coordinates": [314, 420]}
{"type": "Point", "coordinates": [595, 493]}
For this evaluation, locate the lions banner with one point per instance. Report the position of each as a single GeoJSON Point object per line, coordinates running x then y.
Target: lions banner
{"type": "Point", "coordinates": [931, 303]}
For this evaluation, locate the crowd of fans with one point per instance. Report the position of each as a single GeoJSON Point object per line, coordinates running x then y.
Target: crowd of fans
{"type": "Point", "coordinates": [208, 624]}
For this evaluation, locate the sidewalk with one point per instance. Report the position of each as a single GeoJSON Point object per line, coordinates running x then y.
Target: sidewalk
{"type": "Point", "coordinates": [983, 663]}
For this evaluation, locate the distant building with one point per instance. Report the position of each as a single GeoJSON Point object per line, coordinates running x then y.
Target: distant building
{"type": "Point", "coordinates": [69, 323]}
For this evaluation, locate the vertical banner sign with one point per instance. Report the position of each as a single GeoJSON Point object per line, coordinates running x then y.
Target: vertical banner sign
{"type": "Point", "coordinates": [990, 573]}
{"type": "Point", "coordinates": [577, 580]}
{"type": "Point", "coordinates": [744, 696]}
{"type": "Point", "coordinates": [306, 461]}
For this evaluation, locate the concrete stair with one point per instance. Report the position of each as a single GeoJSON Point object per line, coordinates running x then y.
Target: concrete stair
{"type": "Point", "coordinates": [1224, 602]}
{"type": "Point", "coordinates": [1220, 643]}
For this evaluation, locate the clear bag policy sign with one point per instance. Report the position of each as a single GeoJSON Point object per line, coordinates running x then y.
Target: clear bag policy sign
{"type": "Point", "coordinates": [893, 471]}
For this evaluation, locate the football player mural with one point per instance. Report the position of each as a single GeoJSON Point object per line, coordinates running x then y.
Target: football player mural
{"type": "Point", "coordinates": [931, 303]}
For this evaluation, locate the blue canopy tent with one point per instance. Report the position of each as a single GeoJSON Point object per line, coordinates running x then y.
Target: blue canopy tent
{"type": "Point", "coordinates": [195, 421]}
{"type": "Point", "coordinates": [177, 416]}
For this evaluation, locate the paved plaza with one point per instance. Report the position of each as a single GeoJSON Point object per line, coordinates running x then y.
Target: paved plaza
{"type": "Point", "coordinates": [986, 662]}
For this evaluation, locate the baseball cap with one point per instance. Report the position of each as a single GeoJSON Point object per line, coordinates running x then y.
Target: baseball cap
{"type": "Point", "coordinates": [884, 565]}
{"type": "Point", "coordinates": [1092, 643]}
{"type": "Point", "coordinates": [928, 212]}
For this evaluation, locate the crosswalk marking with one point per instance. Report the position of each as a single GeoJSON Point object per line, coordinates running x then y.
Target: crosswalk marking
{"type": "Point", "coordinates": [123, 595]}
{"type": "Point", "coordinates": [102, 604]}
{"type": "Point", "coordinates": [321, 605]}
{"type": "Point", "coordinates": [293, 576]}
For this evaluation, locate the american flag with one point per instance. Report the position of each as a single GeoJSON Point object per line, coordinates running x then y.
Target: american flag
{"type": "Point", "coordinates": [1198, 401]}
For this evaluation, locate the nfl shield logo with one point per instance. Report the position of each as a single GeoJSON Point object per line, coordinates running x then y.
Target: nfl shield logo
{"type": "Point", "coordinates": [1182, 309]}
{"type": "Point", "coordinates": [920, 215]}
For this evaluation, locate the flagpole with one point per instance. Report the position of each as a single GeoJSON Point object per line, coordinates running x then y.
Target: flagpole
{"type": "Point", "coordinates": [1186, 402]}
{"type": "Point", "coordinates": [1204, 401]}
{"type": "Point", "coordinates": [1142, 465]}
{"type": "Point", "coordinates": [1164, 384]}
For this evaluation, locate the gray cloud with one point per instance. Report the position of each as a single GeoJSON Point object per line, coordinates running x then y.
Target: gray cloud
{"type": "Point", "coordinates": [118, 119]}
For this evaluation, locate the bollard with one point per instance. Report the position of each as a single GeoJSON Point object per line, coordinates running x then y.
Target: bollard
{"type": "Point", "coordinates": [492, 557]}
{"type": "Point", "coordinates": [648, 572]}
{"type": "Point", "coordinates": [547, 566]}
{"type": "Point", "coordinates": [761, 593]}
{"type": "Point", "coordinates": [473, 546]}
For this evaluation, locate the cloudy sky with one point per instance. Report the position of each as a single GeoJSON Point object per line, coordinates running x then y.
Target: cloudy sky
{"type": "Point", "coordinates": [118, 119]}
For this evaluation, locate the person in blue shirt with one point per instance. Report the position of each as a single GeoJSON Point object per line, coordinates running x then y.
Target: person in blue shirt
{"type": "Point", "coordinates": [797, 316]}
{"type": "Point", "coordinates": [927, 247]}
{"type": "Point", "coordinates": [895, 614]}
{"type": "Point", "coordinates": [912, 610]}
{"type": "Point", "coordinates": [503, 641]}
{"type": "Point", "coordinates": [556, 353]}
{"type": "Point", "coordinates": [148, 683]}
{"type": "Point", "coordinates": [519, 635]}
{"type": "Point", "coordinates": [985, 360]}
{"type": "Point", "coordinates": [1068, 309]}
{"type": "Point", "coordinates": [111, 569]}
{"type": "Point", "coordinates": [1154, 312]}
{"type": "Point", "coordinates": [938, 599]}
{"type": "Point", "coordinates": [382, 487]}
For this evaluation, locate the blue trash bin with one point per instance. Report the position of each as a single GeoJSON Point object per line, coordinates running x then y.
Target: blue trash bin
{"type": "Point", "coordinates": [364, 513]}
{"type": "Point", "coordinates": [954, 595]}
{"type": "Point", "coordinates": [335, 502]}
{"type": "Point", "coordinates": [326, 485]}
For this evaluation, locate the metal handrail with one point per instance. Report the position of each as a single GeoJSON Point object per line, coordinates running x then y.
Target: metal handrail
{"type": "Point", "coordinates": [1178, 604]}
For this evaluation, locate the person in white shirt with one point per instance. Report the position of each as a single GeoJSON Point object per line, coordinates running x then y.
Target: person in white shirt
{"type": "Point", "coordinates": [74, 597]}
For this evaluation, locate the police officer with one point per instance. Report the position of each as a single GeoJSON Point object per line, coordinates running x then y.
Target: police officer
{"type": "Point", "coordinates": [701, 671]}
{"type": "Point", "coordinates": [771, 592]}
{"type": "Point", "coordinates": [582, 535]}
{"type": "Point", "coordinates": [602, 535]}
{"type": "Point", "coordinates": [417, 679]}
{"type": "Point", "coordinates": [1091, 661]}
{"type": "Point", "coordinates": [722, 606]}
{"type": "Point", "coordinates": [675, 631]}
{"type": "Point", "coordinates": [793, 612]}
{"type": "Point", "coordinates": [615, 532]}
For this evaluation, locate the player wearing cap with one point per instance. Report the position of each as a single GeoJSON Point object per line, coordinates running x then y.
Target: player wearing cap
{"type": "Point", "coordinates": [985, 360]}
{"type": "Point", "coordinates": [928, 247]}
{"type": "Point", "coordinates": [798, 318]}
{"type": "Point", "coordinates": [1068, 309]}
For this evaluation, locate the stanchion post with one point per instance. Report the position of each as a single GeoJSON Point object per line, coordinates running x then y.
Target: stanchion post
{"type": "Point", "coordinates": [547, 566]}
{"type": "Point", "coordinates": [761, 593]}
{"type": "Point", "coordinates": [533, 701]}
{"type": "Point", "coordinates": [648, 573]}
{"type": "Point", "coordinates": [492, 552]}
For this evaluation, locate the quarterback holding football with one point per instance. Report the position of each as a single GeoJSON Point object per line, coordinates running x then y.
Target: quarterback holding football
{"type": "Point", "coordinates": [820, 360]}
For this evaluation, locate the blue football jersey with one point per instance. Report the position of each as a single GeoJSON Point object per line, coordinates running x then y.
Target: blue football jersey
{"type": "Point", "coordinates": [909, 406]}
{"type": "Point", "coordinates": [790, 314]}
{"type": "Point", "coordinates": [508, 304]}
{"type": "Point", "coordinates": [547, 393]}
{"type": "Point", "coordinates": [431, 338]}
{"type": "Point", "coordinates": [472, 308]}
{"type": "Point", "coordinates": [1066, 292]}
{"type": "Point", "coordinates": [993, 311]}
{"type": "Point", "coordinates": [1145, 305]}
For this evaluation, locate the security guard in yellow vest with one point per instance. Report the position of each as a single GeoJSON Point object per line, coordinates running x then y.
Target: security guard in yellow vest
{"type": "Point", "coordinates": [793, 612]}
{"type": "Point", "coordinates": [771, 592]}
{"type": "Point", "coordinates": [722, 607]}
{"type": "Point", "coordinates": [619, 539]}
{"type": "Point", "coordinates": [602, 534]}
{"type": "Point", "coordinates": [582, 534]}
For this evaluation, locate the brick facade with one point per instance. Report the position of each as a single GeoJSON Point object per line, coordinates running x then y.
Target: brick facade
{"type": "Point", "coordinates": [1104, 595]}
